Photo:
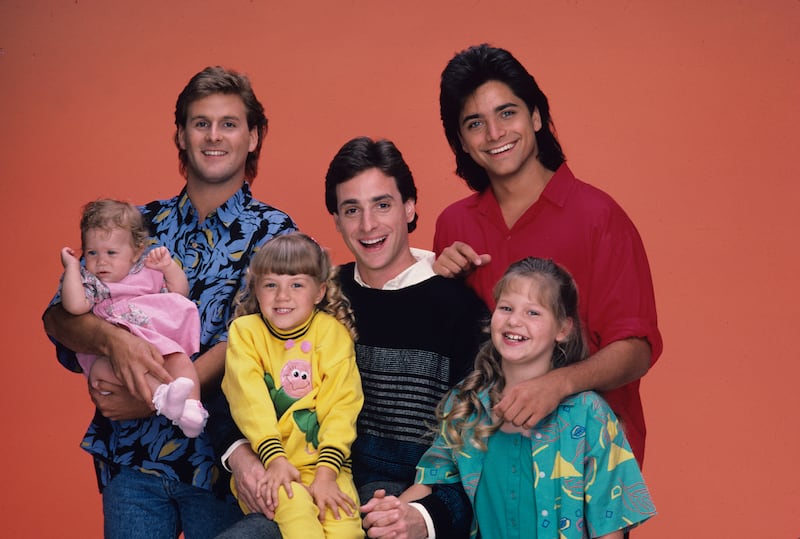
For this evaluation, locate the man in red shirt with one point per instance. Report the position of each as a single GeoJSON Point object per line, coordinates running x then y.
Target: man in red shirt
{"type": "Point", "coordinates": [528, 203]}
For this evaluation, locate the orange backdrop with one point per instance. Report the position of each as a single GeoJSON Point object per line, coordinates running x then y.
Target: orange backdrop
{"type": "Point", "coordinates": [686, 112]}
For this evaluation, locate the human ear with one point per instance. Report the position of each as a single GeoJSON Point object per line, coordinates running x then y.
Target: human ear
{"type": "Point", "coordinates": [565, 331]}
{"type": "Point", "coordinates": [253, 139]}
{"type": "Point", "coordinates": [182, 137]}
{"type": "Point", "coordinates": [323, 289]}
{"type": "Point", "coordinates": [410, 208]}
{"type": "Point", "coordinates": [536, 120]}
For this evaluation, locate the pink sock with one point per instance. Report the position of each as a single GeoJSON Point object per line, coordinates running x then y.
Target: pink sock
{"type": "Point", "coordinates": [170, 399]}
{"type": "Point", "coordinates": [193, 420]}
{"type": "Point", "coordinates": [159, 396]}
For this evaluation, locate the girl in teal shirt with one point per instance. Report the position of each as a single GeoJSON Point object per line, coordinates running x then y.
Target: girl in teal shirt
{"type": "Point", "coordinates": [573, 474]}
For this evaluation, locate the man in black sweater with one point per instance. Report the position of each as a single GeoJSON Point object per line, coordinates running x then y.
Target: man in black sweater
{"type": "Point", "coordinates": [418, 334]}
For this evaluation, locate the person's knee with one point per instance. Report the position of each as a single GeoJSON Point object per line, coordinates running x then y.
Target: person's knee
{"type": "Point", "coordinates": [298, 513]}
{"type": "Point", "coordinates": [300, 495]}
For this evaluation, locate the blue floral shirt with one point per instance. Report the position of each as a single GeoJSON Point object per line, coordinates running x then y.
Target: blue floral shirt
{"type": "Point", "coordinates": [585, 480]}
{"type": "Point", "coordinates": [214, 254]}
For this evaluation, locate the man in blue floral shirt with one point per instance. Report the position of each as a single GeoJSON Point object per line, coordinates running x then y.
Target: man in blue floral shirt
{"type": "Point", "coordinates": [156, 482]}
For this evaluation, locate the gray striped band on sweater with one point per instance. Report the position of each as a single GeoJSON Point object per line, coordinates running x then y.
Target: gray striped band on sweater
{"type": "Point", "coordinates": [403, 387]}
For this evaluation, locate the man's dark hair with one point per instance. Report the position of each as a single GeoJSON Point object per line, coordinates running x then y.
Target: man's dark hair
{"type": "Point", "coordinates": [465, 73]}
{"type": "Point", "coordinates": [361, 154]}
{"type": "Point", "coordinates": [218, 80]}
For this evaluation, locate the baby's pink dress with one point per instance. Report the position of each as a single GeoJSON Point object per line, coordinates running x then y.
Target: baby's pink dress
{"type": "Point", "coordinates": [141, 304]}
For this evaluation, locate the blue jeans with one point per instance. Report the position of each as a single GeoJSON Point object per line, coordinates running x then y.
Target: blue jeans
{"type": "Point", "coordinates": [137, 505]}
{"type": "Point", "coordinates": [251, 526]}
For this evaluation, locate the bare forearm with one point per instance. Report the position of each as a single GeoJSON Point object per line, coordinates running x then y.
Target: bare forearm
{"type": "Point", "coordinates": [614, 365]}
{"type": "Point", "coordinates": [176, 279]}
{"type": "Point", "coordinates": [84, 333]}
{"type": "Point", "coordinates": [415, 492]}
{"type": "Point", "coordinates": [73, 296]}
{"type": "Point", "coordinates": [161, 260]}
{"type": "Point", "coordinates": [131, 357]}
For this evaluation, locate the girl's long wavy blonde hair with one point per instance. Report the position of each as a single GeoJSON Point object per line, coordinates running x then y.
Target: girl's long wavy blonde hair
{"type": "Point", "coordinates": [561, 295]}
{"type": "Point", "coordinates": [296, 254]}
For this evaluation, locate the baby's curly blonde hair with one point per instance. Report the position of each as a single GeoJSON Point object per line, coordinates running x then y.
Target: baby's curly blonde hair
{"type": "Point", "coordinates": [107, 214]}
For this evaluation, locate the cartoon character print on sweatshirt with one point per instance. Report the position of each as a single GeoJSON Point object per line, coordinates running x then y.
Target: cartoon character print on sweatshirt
{"type": "Point", "coordinates": [296, 383]}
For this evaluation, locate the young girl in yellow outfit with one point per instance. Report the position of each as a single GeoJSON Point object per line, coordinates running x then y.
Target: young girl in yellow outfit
{"type": "Point", "coordinates": [294, 389]}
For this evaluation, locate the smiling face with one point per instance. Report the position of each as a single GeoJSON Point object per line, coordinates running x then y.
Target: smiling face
{"type": "Point", "coordinates": [109, 254]}
{"type": "Point", "coordinates": [217, 139]}
{"type": "Point", "coordinates": [287, 301]}
{"type": "Point", "coordinates": [373, 221]}
{"type": "Point", "coordinates": [524, 328]}
{"type": "Point", "coordinates": [498, 132]}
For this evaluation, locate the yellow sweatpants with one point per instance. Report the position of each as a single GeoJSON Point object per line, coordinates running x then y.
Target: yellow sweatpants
{"type": "Point", "coordinates": [298, 516]}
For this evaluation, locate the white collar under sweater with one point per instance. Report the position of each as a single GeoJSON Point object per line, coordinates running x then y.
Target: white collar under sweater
{"type": "Point", "coordinates": [421, 270]}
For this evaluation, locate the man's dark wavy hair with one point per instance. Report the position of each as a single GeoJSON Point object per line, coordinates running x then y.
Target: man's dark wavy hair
{"type": "Point", "coordinates": [465, 73]}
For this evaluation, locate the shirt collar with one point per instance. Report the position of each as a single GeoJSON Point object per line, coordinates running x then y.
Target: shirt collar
{"type": "Point", "coordinates": [558, 188]}
{"type": "Point", "coordinates": [421, 270]}
{"type": "Point", "coordinates": [227, 212]}
{"type": "Point", "coordinates": [294, 333]}
{"type": "Point", "coordinates": [556, 191]}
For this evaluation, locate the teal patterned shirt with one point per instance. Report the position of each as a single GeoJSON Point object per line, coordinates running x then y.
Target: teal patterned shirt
{"type": "Point", "coordinates": [583, 475]}
{"type": "Point", "coordinates": [214, 254]}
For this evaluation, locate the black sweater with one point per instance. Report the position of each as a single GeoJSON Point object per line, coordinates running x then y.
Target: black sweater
{"type": "Point", "coordinates": [414, 344]}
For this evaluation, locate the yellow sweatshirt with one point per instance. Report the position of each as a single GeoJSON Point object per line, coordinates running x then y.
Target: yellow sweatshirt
{"type": "Point", "coordinates": [294, 394]}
